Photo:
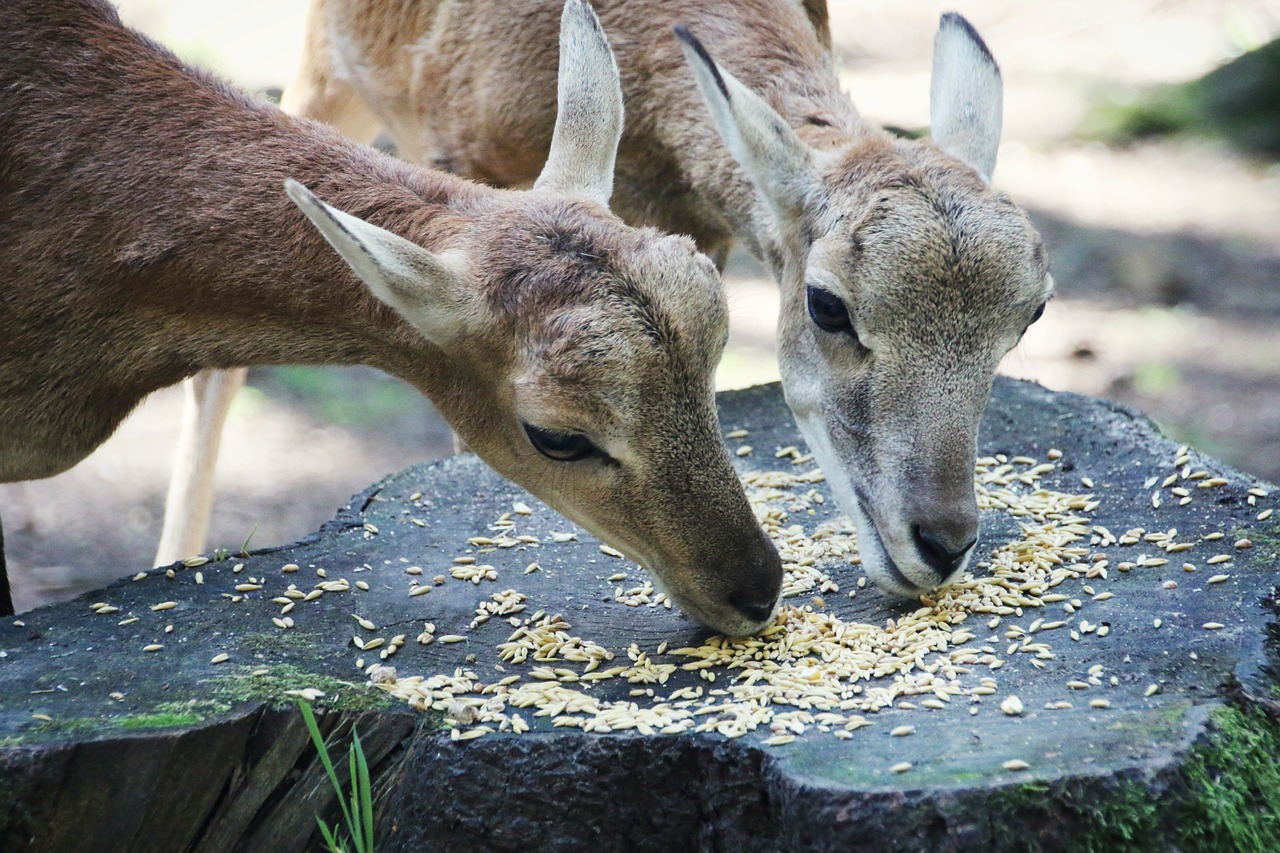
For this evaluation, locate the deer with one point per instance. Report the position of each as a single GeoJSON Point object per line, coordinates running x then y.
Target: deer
{"type": "Point", "coordinates": [154, 222]}
{"type": "Point", "coordinates": [904, 276]}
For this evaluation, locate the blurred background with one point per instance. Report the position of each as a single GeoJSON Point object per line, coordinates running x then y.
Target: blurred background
{"type": "Point", "coordinates": [1143, 136]}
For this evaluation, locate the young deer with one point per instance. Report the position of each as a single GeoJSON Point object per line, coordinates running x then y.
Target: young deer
{"type": "Point", "coordinates": [905, 278]}
{"type": "Point", "coordinates": [144, 236]}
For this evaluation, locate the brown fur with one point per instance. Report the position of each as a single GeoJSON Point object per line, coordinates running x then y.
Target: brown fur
{"type": "Point", "coordinates": [428, 74]}
{"type": "Point", "coordinates": [145, 235]}
{"type": "Point", "coordinates": [939, 273]}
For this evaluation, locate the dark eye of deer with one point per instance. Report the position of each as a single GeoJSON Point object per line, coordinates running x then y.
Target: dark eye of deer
{"type": "Point", "coordinates": [1039, 313]}
{"type": "Point", "coordinates": [561, 446]}
{"type": "Point", "coordinates": [828, 311]}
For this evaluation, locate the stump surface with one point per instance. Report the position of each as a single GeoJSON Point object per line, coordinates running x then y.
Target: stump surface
{"type": "Point", "coordinates": [164, 750]}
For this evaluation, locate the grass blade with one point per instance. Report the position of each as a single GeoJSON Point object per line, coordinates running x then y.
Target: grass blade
{"type": "Point", "coordinates": [314, 730]}
{"type": "Point", "coordinates": [356, 826]}
{"type": "Point", "coordinates": [366, 791]}
{"type": "Point", "coordinates": [329, 840]}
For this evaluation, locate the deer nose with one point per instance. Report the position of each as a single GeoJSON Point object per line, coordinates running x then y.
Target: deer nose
{"type": "Point", "coordinates": [756, 611]}
{"type": "Point", "coordinates": [939, 552]}
{"type": "Point", "coordinates": [759, 581]}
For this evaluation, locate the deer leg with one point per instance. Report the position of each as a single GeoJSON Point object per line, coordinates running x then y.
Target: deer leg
{"type": "Point", "coordinates": [190, 500]}
{"type": "Point", "coordinates": [6, 599]}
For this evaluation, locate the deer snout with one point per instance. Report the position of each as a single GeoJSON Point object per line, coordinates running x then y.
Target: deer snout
{"type": "Point", "coordinates": [944, 531]}
{"type": "Point", "coordinates": [944, 550]}
{"type": "Point", "coordinates": [756, 583]}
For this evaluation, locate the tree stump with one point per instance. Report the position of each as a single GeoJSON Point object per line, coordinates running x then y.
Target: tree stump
{"type": "Point", "coordinates": [123, 727]}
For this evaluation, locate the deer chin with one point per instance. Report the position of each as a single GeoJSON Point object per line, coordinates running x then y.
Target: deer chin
{"type": "Point", "coordinates": [904, 574]}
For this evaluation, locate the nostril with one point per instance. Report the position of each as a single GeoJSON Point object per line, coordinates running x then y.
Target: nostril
{"type": "Point", "coordinates": [937, 553]}
{"type": "Point", "coordinates": [756, 611]}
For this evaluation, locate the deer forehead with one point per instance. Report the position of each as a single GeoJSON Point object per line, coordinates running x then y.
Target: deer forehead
{"type": "Point", "coordinates": [571, 276]}
{"type": "Point", "coordinates": [920, 255]}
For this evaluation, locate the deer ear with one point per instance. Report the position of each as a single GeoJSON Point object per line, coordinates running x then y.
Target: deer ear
{"type": "Point", "coordinates": [965, 96]}
{"type": "Point", "coordinates": [584, 143]}
{"type": "Point", "coordinates": [776, 159]}
{"type": "Point", "coordinates": [426, 289]}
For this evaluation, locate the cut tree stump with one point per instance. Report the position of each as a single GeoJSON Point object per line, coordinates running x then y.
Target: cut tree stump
{"type": "Point", "coordinates": [107, 746]}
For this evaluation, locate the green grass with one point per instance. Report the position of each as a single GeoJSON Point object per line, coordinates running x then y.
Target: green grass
{"type": "Point", "coordinates": [357, 810]}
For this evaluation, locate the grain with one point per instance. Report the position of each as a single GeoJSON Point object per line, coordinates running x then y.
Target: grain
{"type": "Point", "coordinates": [1015, 764]}
{"type": "Point", "coordinates": [901, 767]}
{"type": "Point", "coordinates": [1012, 706]}
{"type": "Point", "coordinates": [808, 669]}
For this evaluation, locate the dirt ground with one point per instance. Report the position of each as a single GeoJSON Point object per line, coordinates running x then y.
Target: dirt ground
{"type": "Point", "coordinates": [1166, 255]}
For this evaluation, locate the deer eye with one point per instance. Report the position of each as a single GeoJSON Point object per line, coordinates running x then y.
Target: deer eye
{"type": "Point", "coordinates": [828, 311]}
{"type": "Point", "coordinates": [561, 446]}
{"type": "Point", "coordinates": [1039, 312]}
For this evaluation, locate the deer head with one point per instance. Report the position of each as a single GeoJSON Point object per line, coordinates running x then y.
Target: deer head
{"type": "Point", "coordinates": [905, 279]}
{"type": "Point", "coordinates": [576, 354]}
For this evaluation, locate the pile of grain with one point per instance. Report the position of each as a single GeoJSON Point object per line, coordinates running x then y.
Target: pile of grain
{"type": "Point", "coordinates": [810, 669]}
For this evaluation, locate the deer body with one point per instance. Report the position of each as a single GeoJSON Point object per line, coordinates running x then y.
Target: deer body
{"type": "Point", "coordinates": [145, 235]}
{"type": "Point", "coordinates": [431, 74]}
{"type": "Point", "coordinates": [904, 277]}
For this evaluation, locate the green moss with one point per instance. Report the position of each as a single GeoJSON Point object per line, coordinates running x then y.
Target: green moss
{"type": "Point", "coordinates": [67, 726]}
{"type": "Point", "coordinates": [1234, 777]}
{"type": "Point", "coordinates": [1226, 797]}
{"type": "Point", "coordinates": [1127, 819]}
{"type": "Point", "coordinates": [243, 686]}
{"type": "Point", "coordinates": [1266, 537]}
{"type": "Point", "coordinates": [1122, 818]}
{"type": "Point", "coordinates": [271, 644]}
{"type": "Point", "coordinates": [139, 722]}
